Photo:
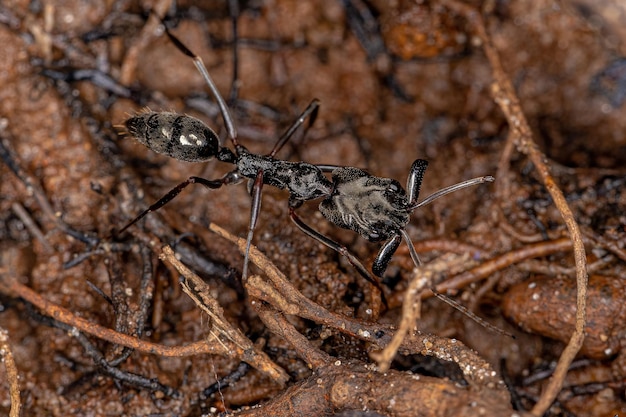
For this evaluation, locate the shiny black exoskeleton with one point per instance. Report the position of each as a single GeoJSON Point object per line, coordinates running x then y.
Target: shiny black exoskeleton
{"type": "Point", "coordinates": [377, 208]}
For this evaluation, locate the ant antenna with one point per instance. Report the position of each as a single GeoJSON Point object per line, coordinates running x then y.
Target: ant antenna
{"type": "Point", "coordinates": [451, 189]}
{"type": "Point", "coordinates": [413, 186]}
{"type": "Point", "coordinates": [412, 251]}
{"type": "Point", "coordinates": [461, 308]}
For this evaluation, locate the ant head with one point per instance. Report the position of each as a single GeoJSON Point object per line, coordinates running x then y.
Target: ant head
{"type": "Point", "coordinates": [374, 207]}
{"type": "Point", "coordinates": [380, 230]}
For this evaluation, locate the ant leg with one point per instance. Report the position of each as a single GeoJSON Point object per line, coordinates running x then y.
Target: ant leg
{"type": "Point", "coordinates": [354, 261]}
{"type": "Point", "coordinates": [310, 112]}
{"type": "Point", "coordinates": [228, 119]}
{"type": "Point", "coordinates": [384, 255]}
{"type": "Point", "coordinates": [414, 181]}
{"type": "Point", "coordinates": [233, 10]}
{"type": "Point", "coordinates": [96, 77]}
{"type": "Point", "coordinates": [213, 184]}
{"type": "Point", "coordinates": [451, 189]}
{"type": "Point", "coordinates": [254, 217]}
{"type": "Point", "coordinates": [328, 168]}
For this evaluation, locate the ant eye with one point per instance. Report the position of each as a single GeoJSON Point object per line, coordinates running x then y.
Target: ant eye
{"type": "Point", "coordinates": [374, 236]}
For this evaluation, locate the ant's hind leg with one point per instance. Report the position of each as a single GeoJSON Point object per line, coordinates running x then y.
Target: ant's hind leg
{"type": "Point", "coordinates": [354, 261]}
{"type": "Point", "coordinates": [213, 184]}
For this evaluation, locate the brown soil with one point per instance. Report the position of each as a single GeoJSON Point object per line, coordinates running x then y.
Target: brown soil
{"type": "Point", "coordinates": [415, 84]}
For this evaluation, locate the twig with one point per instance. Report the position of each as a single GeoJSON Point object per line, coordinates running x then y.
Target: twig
{"type": "Point", "coordinates": [226, 381]}
{"type": "Point", "coordinates": [603, 242]}
{"type": "Point", "coordinates": [30, 224]}
{"type": "Point", "coordinates": [284, 295]}
{"type": "Point", "coordinates": [12, 287]}
{"type": "Point", "coordinates": [550, 269]}
{"type": "Point", "coordinates": [521, 135]}
{"type": "Point", "coordinates": [129, 66]}
{"type": "Point", "coordinates": [277, 324]}
{"type": "Point", "coordinates": [498, 263]}
{"type": "Point", "coordinates": [199, 292]}
{"type": "Point", "coordinates": [410, 314]}
{"type": "Point", "coordinates": [445, 245]}
{"type": "Point", "coordinates": [12, 375]}
{"type": "Point", "coordinates": [109, 367]}
{"type": "Point", "coordinates": [424, 278]}
{"type": "Point", "coordinates": [33, 188]}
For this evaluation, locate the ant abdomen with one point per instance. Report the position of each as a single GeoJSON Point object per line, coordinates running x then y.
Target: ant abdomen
{"type": "Point", "coordinates": [182, 137]}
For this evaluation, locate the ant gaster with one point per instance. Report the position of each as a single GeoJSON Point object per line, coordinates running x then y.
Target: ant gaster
{"type": "Point", "coordinates": [377, 208]}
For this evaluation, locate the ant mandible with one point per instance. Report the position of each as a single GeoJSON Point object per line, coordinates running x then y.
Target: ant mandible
{"type": "Point", "coordinates": [376, 208]}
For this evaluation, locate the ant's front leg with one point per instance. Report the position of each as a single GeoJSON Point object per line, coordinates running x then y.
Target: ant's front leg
{"type": "Point", "coordinates": [354, 261]}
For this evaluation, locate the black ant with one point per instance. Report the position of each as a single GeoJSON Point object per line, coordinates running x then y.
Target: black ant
{"type": "Point", "coordinates": [377, 208]}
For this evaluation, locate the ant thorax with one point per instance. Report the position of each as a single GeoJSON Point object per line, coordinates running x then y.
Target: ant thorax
{"type": "Point", "coordinates": [376, 208]}
{"type": "Point", "coordinates": [303, 181]}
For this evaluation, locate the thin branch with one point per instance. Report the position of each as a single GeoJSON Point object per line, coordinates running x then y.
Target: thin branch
{"type": "Point", "coordinates": [12, 287]}
{"type": "Point", "coordinates": [520, 134]}
{"type": "Point", "coordinates": [278, 324]}
{"type": "Point", "coordinates": [410, 314]}
{"type": "Point", "coordinates": [200, 293]}
{"type": "Point", "coordinates": [505, 260]}
{"type": "Point", "coordinates": [12, 375]}
{"type": "Point", "coordinates": [285, 297]}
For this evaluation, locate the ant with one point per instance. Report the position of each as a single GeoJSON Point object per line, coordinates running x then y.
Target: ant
{"type": "Point", "coordinates": [376, 208]}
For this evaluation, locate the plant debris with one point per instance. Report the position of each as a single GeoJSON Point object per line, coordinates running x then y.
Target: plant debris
{"type": "Point", "coordinates": [156, 320]}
